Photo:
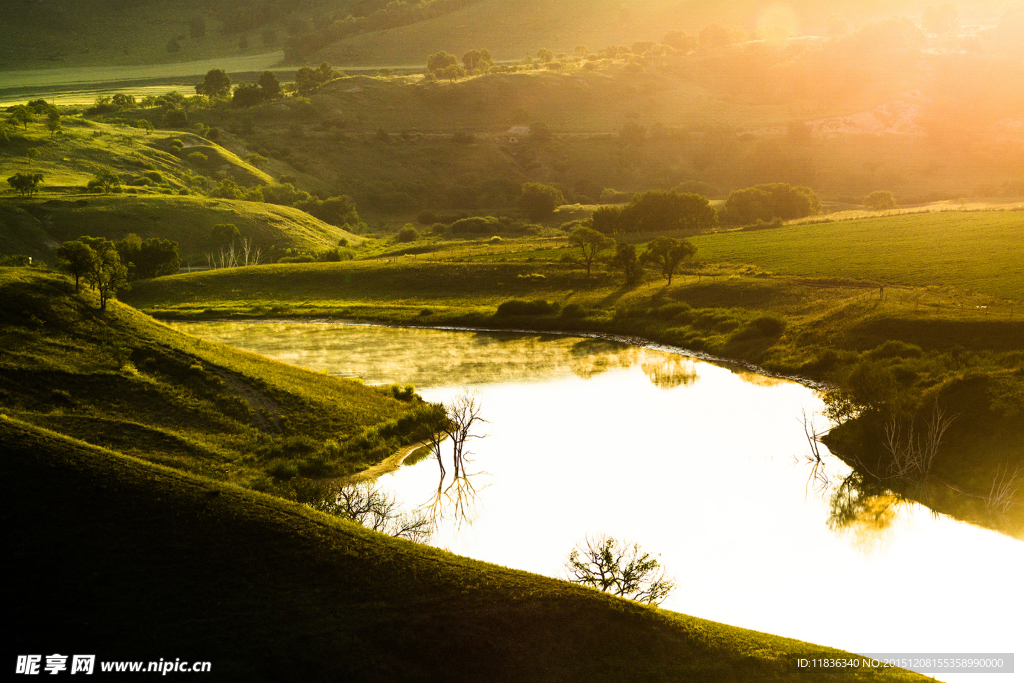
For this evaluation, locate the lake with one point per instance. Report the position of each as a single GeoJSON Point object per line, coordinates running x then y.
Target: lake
{"type": "Point", "coordinates": [702, 464]}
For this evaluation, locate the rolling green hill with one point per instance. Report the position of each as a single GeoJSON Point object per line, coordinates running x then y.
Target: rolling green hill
{"type": "Point", "coordinates": [120, 379]}
{"type": "Point", "coordinates": [153, 175]}
{"type": "Point", "coordinates": [981, 252]}
{"type": "Point", "coordinates": [39, 226]}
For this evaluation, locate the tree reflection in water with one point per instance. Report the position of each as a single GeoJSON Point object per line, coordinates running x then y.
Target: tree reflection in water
{"type": "Point", "coordinates": [455, 424]}
{"type": "Point", "coordinates": [669, 372]}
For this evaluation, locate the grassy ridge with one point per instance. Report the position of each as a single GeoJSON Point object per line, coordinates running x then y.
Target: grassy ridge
{"type": "Point", "coordinates": [168, 564]}
{"type": "Point", "coordinates": [63, 210]}
{"type": "Point", "coordinates": [125, 381]}
{"type": "Point", "coordinates": [981, 252]}
{"type": "Point", "coordinates": [36, 227]}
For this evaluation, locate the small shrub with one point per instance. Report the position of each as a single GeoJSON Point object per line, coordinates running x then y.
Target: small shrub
{"type": "Point", "coordinates": [769, 325]}
{"type": "Point", "coordinates": [474, 225]}
{"type": "Point", "coordinates": [895, 349]}
{"type": "Point", "coordinates": [283, 469]}
{"type": "Point", "coordinates": [408, 233]}
{"type": "Point", "coordinates": [494, 240]}
{"type": "Point", "coordinates": [198, 159]}
{"type": "Point", "coordinates": [574, 312]}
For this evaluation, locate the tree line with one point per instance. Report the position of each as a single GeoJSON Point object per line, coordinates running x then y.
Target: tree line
{"type": "Point", "coordinates": [108, 267]}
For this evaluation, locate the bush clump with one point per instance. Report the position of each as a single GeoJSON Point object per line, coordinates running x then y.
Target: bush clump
{"type": "Point", "coordinates": [574, 312]}
{"type": "Point", "coordinates": [474, 225]}
{"type": "Point", "coordinates": [895, 349]}
{"type": "Point", "coordinates": [520, 307]}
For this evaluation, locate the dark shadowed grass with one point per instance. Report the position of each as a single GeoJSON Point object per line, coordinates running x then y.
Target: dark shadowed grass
{"type": "Point", "coordinates": [167, 564]}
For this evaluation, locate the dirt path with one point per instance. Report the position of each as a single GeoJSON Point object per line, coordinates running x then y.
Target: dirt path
{"type": "Point", "coordinates": [388, 464]}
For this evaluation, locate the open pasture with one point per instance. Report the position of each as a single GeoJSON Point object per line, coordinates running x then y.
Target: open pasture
{"type": "Point", "coordinates": [975, 252]}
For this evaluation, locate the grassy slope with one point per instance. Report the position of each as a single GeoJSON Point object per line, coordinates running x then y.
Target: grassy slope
{"type": "Point", "coordinates": [980, 252]}
{"type": "Point", "coordinates": [69, 161]}
{"type": "Point", "coordinates": [93, 32]}
{"type": "Point", "coordinates": [514, 28]}
{"type": "Point", "coordinates": [37, 226]}
{"type": "Point", "coordinates": [172, 565]}
{"type": "Point", "coordinates": [122, 380]}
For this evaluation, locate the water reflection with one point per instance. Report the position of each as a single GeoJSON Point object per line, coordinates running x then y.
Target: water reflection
{"type": "Point", "coordinates": [438, 358]}
{"type": "Point", "coordinates": [701, 472]}
{"type": "Point", "coordinates": [671, 372]}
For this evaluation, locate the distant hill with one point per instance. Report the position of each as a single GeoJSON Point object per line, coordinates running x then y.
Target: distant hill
{"type": "Point", "coordinates": [66, 33]}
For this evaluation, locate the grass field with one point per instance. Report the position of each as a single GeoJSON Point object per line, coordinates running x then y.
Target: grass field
{"type": "Point", "coordinates": [122, 380]}
{"type": "Point", "coordinates": [63, 210]}
{"type": "Point", "coordinates": [36, 227]}
{"type": "Point", "coordinates": [979, 252]}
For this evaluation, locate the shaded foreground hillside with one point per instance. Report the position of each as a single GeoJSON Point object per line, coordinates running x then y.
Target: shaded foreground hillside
{"type": "Point", "coordinates": [132, 560]}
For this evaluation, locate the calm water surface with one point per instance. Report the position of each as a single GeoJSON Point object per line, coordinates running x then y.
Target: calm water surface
{"type": "Point", "coordinates": [700, 463]}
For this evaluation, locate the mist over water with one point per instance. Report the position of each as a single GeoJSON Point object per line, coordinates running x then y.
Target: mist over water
{"type": "Point", "coordinates": [698, 463]}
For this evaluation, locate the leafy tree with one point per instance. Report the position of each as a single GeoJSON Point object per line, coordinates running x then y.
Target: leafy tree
{"type": "Point", "coordinates": [880, 200]}
{"type": "Point", "coordinates": [75, 257]}
{"type": "Point", "coordinates": [31, 154]}
{"type": "Point", "coordinates": [21, 114]}
{"type": "Point", "coordinates": [26, 183]}
{"type": "Point", "coordinates": [216, 83]}
{"type": "Point", "coordinates": [175, 118]}
{"type": "Point", "coordinates": [661, 211]}
{"type": "Point", "coordinates": [439, 60]}
{"type": "Point", "coordinates": [124, 100]}
{"type": "Point", "coordinates": [774, 200]}
{"type": "Point", "coordinates": [247, 95]}
{"type": "Point", "coordinates": [607, 219]}
{"type": "Point", "coordinates": [452, 72]}
{"type": "Point", "coordinates": [619, 568]}
{"type": "Point", "coordinates": [545, 55]}
{"type": "Point", "coordinates": [339, 211]}
{"type": "Point", "coordinates": [667, 253]}
{"type": "Point", "coordinates": [408, 233]}
{"type": "Point", "coordinates": [590, 242]}
{"type": "Point", "coordinates": [107, 274]}
{"type": "Point", "coordinates": [269, 85]}
{"type": "Point", "coordinates": [223, 235]}
{"type": "Point", "coordinates": [477, 59]}
{"type": "Point", "coordinates": [626, 260]}
{"type": "Point", "coordinates": [538, 201]}
{"type": "Point", "coordinates": [308, 81]}
{"type": "Point", "coordinates": [53, 122]}
{"type": "Point", "coordinates": [105, 181]}
{"type": "Point", "coordinates": [148, 258]}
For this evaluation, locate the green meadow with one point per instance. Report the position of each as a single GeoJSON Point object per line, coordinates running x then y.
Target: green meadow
{"type": "Point", "coordinates": [980, 252]}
